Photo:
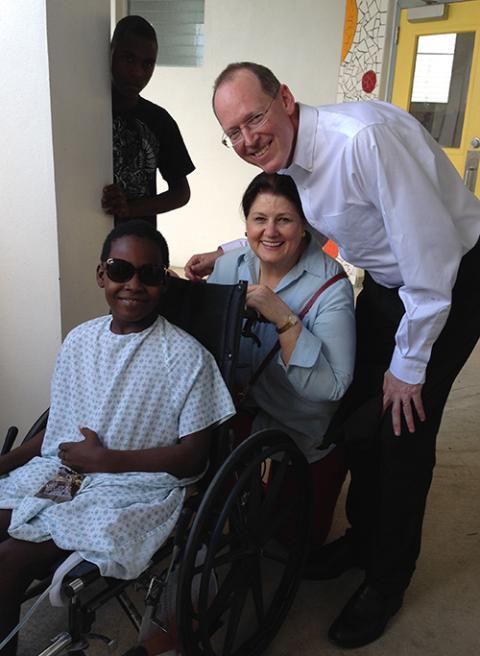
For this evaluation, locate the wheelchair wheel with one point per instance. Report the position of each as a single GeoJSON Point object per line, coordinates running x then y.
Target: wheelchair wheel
{"type": "Point", "coordinates": [256, 538]}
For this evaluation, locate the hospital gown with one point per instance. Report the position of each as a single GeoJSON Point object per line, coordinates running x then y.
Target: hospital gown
{"type": "Point", "coordinates": [136, 391]}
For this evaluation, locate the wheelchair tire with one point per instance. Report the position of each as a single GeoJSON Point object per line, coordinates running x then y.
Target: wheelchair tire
{"type": "Point", "coordinates": [234, 603]}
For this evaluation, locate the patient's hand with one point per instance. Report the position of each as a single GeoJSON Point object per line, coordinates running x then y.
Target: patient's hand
{"type": "Point", "coordinates": [86, 456]}
{"type": "Point", "coordinates": [201, 265]}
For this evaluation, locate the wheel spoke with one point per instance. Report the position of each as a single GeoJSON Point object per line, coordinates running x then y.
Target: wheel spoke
{"type": "Point", "coordinates": [276, 520]}
{"type": "Point", "coordinates": [228, 551]}
{"type": "Point", "coordinates": [224, 596]}
{"type": "Point", "coordinates": [255, 499]}
{"type": "Point", "coordinates": [257, 589]}
{"type": "Point", "coordinates": [277, 558]}
{"type": "Point", "coordinates": [230, 557]}
{"type": "Point", "coordinates": [273, 489]}
{"type": "Point", "coordinates": [234, 618]}
{"type": "Point", "coordinates": [237, 523]}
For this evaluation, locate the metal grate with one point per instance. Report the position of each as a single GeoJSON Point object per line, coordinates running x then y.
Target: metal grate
{"type": "Point", "coordinates": [179, 27]}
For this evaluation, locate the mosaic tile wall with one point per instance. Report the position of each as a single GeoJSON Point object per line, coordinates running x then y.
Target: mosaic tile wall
{"type": "Point", "coordinates": [364, 41]}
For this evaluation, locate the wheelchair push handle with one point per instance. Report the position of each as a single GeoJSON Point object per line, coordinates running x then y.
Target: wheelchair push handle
{"type": "Point", "coordinates": [9, 440]}
{"type": "Point", "coordinates": [252, 317]}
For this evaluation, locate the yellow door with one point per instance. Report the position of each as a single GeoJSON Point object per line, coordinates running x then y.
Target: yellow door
{"type": "Point", "coordinates": [437, 79]}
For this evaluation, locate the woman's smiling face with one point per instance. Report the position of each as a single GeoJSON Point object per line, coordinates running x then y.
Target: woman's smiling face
{"type": "Point", "coordinates": [275, 230]}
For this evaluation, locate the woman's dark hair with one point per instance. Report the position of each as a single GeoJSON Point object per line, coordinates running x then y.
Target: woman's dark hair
{"type": "Point", "coordinates": [136, 228]}
{"type": "Point", "coordinates": [133, 25]}
{"type": "Point", "coordinates": [272, 183]}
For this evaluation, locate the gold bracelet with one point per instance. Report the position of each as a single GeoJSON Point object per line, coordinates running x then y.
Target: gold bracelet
{"type": "Point", "coordinates": [292, 320]}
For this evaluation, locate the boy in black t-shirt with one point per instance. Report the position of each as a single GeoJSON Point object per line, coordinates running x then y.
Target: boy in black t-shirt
{"type": "Point", "coordinates": [145, 136]}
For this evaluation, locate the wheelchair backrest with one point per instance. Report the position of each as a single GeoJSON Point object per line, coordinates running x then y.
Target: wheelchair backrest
{"type": "Point", "coordinates": [212, 314]}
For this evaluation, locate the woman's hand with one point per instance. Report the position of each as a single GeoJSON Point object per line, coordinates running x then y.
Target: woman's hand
{"type": "Point", "coordinates": [262, 299]}
{"type": "Point", "coordinates": [86, 456]}
{"type": "Point", "coordinates": [268, 304]}
{"type": "Point", "coordinates": [401, 395]}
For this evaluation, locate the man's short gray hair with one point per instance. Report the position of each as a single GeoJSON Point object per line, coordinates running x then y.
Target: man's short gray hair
{"type": "Point", "coordinates": [269, 83]}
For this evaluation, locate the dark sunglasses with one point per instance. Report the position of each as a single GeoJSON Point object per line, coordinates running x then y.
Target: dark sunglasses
{"type": "Point", "coordinates": [118, 270]}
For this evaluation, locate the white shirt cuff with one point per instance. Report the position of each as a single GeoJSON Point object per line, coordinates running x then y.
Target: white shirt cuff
{"type": "Point", "coordinates": [232, 245]}
{"type": "Point", "coordinates": [407, 369]}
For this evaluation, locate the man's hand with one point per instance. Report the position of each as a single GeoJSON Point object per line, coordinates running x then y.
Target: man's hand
{"type": "Point", "coordinates": [85, 456]}
{"type": "Point", "coordinates": [401, 395]}
{"type": "Point", "coordinates": [201, 265]}
{"type": "Point", "coordinates": [115, 202]}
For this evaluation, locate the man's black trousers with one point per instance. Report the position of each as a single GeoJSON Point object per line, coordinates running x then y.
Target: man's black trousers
{"type": "Point", "coordinates": [391, 476]}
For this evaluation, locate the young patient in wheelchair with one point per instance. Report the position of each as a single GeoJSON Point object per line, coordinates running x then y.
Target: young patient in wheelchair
{"type": "Point", "coordinates": [133, 401]}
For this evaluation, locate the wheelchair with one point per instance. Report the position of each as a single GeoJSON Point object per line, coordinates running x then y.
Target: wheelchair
{"type": "Point", "coordinates": [235, 576]}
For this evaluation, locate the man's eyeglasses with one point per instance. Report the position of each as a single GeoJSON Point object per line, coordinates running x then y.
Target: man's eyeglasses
{"type": "Point", "coordinates": [235, 136]}
{"type": "Point", "coordinates": [151, 275]}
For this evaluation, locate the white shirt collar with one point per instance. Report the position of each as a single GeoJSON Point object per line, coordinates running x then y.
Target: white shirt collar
{"type": "Point", "coordinates": [306, 137]}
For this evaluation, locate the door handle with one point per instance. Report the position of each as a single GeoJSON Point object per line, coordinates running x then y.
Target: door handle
{"type": "Point", "coordinates": [471, 170]}
{"type": "Point", "coordinates": [475, 142]}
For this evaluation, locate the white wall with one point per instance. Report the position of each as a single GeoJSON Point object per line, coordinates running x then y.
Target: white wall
{"type": "Point", "coordinates": [301, 42]}
{"type": "Point", "coordinates": [29, 289]}
{"type": "Point", "coordinates": [52, 168]}
{"type": "Point", "coordinates": [79, 62]}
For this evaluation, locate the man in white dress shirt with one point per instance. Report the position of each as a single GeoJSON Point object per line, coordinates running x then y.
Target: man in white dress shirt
{"type": "Point", "coordinates": [376, 183]}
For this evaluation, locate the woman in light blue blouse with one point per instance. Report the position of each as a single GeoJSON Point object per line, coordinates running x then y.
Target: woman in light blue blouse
{"type": "Point", "coordinates": [299, 389]}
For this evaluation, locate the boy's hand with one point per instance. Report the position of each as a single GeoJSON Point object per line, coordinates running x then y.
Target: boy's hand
{"type": "Point", "coordinates": [85, 457]}
{"type": "Point", "coordinates": [115, 202]}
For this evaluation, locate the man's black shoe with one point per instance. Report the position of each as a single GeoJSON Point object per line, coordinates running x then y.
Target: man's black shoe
{"type": "Point", "coordinates": [331, 560]}
{"type": "Point", "coordinates": [364, 618]}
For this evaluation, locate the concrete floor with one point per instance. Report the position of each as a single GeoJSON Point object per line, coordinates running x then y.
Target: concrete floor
{"type": "Point", "coordinates": [441, 615]}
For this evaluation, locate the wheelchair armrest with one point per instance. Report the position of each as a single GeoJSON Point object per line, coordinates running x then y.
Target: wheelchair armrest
{"type": "Point", "coordinates": [79, 577]}
{"type": "Point", "coordinates": [9, 440]}
{"type": "Point", "coordinates": [85, 572]}
{"type": "Point", "coordinates": [189, 508]}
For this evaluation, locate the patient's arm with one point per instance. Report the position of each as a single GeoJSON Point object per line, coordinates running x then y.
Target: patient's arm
{"type": "Point", "coordinates": [22, 454]}
{"type": "Point", "coordinates": [187, 458]}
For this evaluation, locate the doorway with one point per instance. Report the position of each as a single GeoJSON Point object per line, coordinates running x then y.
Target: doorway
{"type": "Point", "coordinates": [437, 79]}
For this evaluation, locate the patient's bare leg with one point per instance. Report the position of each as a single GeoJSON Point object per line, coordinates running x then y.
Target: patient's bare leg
{"type": "Point", "coordinates": [20, 563]}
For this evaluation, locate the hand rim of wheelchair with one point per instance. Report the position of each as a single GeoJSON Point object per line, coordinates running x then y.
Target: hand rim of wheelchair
{"type": "Point", "coordinates": [216, 510]}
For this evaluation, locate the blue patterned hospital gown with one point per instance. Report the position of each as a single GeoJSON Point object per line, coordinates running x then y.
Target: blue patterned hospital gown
{"type": "Point", "coordinates": [135, 391]}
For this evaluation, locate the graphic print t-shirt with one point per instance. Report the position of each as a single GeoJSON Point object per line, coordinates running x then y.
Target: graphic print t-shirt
{"type": "Point", "coordinates": [145, 139]}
